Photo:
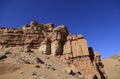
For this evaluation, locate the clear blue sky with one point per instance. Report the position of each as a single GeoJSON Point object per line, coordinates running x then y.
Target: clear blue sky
{"type": "Point", "coordinates": [97, 20]}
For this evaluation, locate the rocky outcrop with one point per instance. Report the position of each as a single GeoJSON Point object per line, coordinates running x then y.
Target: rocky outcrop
{"type": "Point", "coordinates": [76, 45]}
{"type": "Point", "coordinates": [72, 50]}
{"type": "Point", "coordinates": [55, 41]}
{"type": "Point", "coordinates": [29, 35]}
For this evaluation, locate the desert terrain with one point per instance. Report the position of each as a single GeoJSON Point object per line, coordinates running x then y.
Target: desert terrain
{"type": "Point", "coordinates": [31, 65]}
{"type": "Point", "coordinates": [112, 66]}
{"type": "Point", "coordinates": [34, 65]}
{"type": "Point", "coordinates": [43, 51]}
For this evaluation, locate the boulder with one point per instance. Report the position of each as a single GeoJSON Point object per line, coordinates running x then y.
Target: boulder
{"type": "Point", "coordinates": [79, 36]}
{"type": "Point", "coordinates": [49, 26]}
{"type": "Point", "coordinates": [68, 70]}
{"type": "Point", "coordinates": [73, 68]}
{"type": "Point", "coordinates": [33, 23]}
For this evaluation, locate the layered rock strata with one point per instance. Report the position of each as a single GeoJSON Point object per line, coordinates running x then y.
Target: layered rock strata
{"type": "Point", "coordinates": [71, 49]}
{"type": "Point", "coordinates": [29, 35]}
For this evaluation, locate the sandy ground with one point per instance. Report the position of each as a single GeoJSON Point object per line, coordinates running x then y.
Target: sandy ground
{"type": "Point", "coordinates": [23, 71]}
{"type": "Point", "coordinates": [23, 65]}
{"type": "Point", "coordinates": [112, 66]}
{"type": "Point", "coordinates": [16, 63]}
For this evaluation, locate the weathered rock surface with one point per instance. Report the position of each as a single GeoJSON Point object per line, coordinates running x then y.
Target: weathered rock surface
{"type": "Point", "coordinates": [72, 50]}
{"type": "Point", "coordinates": [29, 35]}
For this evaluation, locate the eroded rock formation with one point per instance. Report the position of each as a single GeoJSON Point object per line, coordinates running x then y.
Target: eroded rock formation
{"type": "Point", "coordinates": [29, 35]}
{"type": "Point", "coordinates": [71, 49]}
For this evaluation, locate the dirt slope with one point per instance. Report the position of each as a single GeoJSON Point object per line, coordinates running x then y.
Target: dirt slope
{"type": "Point", "coordinates": [112, 66]}
{"type": "Point", "coordinates": [24, 65]}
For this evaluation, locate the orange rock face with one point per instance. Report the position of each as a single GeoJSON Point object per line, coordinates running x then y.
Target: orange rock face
{"type": "Point", "coordinates": [72, 49]}
{"type": "Point", "coordinates": [29, 35]}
